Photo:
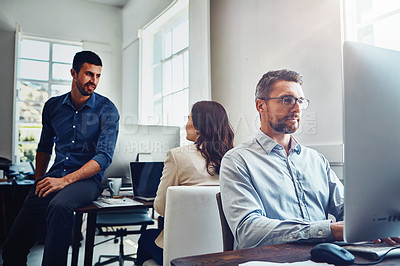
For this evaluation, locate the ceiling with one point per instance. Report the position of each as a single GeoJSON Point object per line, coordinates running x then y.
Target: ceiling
{"type": "Point", "coordinates": [116, 3]}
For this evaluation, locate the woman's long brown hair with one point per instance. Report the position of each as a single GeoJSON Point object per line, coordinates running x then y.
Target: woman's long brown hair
{"type": "Point", "coordinates": [216, 135]}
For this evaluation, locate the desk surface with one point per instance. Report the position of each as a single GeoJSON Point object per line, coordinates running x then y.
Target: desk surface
{"type": "Point", "coordinates": [276, 253]}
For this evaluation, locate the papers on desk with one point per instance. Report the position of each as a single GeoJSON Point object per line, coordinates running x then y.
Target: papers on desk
{"type": "Point", "coordinates": [112, 202]}
{"type": "Point", "coordinates": [265, 263]}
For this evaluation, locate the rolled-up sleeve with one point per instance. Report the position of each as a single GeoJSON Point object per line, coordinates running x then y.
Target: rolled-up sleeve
{"type": "Point", "coordinates": [247, 217]}
{"type": "Point", "coordinates": [47, 136]}
{"type": "Point", "coordinates": [108, 136]}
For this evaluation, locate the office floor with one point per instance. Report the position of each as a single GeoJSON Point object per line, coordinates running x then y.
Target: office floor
{"type": "Point", "coordinates": [108, 248]}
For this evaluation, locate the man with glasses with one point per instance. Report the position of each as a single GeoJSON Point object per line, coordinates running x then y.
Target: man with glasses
{"type": "Point", "coordinates": [273, 189]}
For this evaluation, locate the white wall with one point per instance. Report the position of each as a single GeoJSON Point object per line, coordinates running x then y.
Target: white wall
{"type": "Point", "coordinates": [6, 93]}
{"type": "Point", "coordinates": [98, 25]}
{"type": "Point", "coordinates": [251, 37]}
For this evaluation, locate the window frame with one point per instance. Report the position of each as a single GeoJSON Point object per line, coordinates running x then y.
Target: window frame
{"type": "Point", "coordinates": [50, 82]}
{"type": "Point", "coordinates": [352, 27]}
{"type": "Point", "coordinates": [177, 11]}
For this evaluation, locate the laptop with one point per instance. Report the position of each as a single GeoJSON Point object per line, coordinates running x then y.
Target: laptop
{"type": "Point", "coordinates": [145, 179]}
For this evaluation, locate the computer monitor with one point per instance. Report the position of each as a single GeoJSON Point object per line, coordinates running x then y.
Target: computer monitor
{"type": "Point", "coordinates": [141, 143]}
{"type": "Point", "coordinates": [371, 142]}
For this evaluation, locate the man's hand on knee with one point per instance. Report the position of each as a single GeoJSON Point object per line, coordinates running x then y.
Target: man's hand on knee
{"type": "Point", "coordinates": [48, 185]}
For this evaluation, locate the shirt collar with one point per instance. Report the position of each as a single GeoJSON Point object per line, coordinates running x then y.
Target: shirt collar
{"type": "Point", "coordinates": [269, 144]}
{"type": "Point", "coordinates": [90, 103]}
{"type": "Point", "coordinates": [265, 141]}
{"type": "Point", "coordinates": [294, 145]}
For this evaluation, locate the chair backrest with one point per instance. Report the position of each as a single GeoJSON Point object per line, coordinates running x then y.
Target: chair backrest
{"type": "Point", "coordinates": [192, 225]}
{"type": "Point", "coordinates": [227, 235]}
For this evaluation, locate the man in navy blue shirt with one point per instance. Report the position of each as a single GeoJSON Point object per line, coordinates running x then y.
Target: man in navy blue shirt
{"type": "Point", "coordinates": [83, 125]}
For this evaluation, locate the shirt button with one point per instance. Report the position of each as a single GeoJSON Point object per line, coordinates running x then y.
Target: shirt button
{"type": "Point", "coordinates": [320, 232]}
{"type": "Point", "coordinates": [66, 158]}
{"type": "Point", "coordinates": [73, 141]}
{"type": "Point", "coordinates": [76, 112]}
{"type": "Point", "coordinates": [73, 126]}
{"type": "Point", "coordinates": [65, 170]}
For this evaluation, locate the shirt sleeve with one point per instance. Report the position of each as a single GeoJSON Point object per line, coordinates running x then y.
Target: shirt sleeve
{"type": "Point", "coordinates": [169, 178]}
{"type": "Point", "coordinates": [336, 195]}
{"type": "Point", "coordinates": [47, 135]}
{"type": "Point", "coordinates": [247, 218]}
{"type": "Point", "coordinates": [108, 136]}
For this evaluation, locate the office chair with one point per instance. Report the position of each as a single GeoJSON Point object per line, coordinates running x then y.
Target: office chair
{"type": "Point", "coordinates": [227, 236]}
{"type": "Point", "coordinates": [192, 225]}
{"type": "Point", "coordinates": [120, 218]}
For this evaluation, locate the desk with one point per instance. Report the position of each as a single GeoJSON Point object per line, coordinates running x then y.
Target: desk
{"type": "Point", "coordinates": [92, 210]}
{"type": "Point", "coordinates": [276, 253]}
{"type": "Point", "coordinates": [12, 197]}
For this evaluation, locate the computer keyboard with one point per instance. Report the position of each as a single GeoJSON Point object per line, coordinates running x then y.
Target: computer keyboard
{"type": "Point", "coordinates": [373, 250]}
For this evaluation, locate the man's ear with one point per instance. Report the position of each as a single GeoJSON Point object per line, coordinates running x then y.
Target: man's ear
{"type": "Point", "coordinates": [260, 106]}
{"type": "Point", "coordinates": [73, 73]}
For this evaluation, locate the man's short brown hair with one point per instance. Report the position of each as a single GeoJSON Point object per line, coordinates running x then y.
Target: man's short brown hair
{"type": "Point", "coordinates": [264, 86]}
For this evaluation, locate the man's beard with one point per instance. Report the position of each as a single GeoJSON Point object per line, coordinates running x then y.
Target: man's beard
{"type": "Point", "coordinates": [281, 126]}
{"type": "Point", "coordinates": [81, 88]}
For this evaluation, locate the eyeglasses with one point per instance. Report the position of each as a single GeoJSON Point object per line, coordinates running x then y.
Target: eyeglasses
{"type": "Point", "coordinates": [290, 101]}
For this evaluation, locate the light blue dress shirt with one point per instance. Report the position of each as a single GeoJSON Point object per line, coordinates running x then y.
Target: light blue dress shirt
{"type": "Point", "coordinates": [270, 197]}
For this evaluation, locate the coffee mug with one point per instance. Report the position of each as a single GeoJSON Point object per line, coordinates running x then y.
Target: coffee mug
{"type": "Point", "coordinates": [114, 184]}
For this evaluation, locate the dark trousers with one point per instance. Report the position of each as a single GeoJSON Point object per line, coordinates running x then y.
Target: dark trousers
{"type": "Point", "coordinates": [147, 249]}
{"type": "Point", "coordinates": [52, 215]}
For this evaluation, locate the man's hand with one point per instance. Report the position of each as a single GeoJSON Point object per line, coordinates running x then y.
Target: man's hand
{"type": "Point", "coordinates": [48, 185]}
{"type": "Point", "coordinates": [337, 230]}
{"type": "Point", "coordinates": [390, 240]}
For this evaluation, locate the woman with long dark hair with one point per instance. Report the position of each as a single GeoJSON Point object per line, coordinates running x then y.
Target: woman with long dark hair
{"type": "Point", "coordinates": [194, 165]}
{"type": "Point", "coordinates": [213, 131]}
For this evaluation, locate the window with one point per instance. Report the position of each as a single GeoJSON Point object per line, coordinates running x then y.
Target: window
{"type": "Point", "coordinates": [373, 22]}
{"type": "Point", "coordinates": [43, 68]}
{"type": "Point", "coordinates": [164, 90]}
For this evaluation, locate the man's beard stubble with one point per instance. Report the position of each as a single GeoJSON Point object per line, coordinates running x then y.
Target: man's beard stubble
{"type": "Point", "coordinates": [282, 127]}
{"type": "Point", "coordinates": [82, 88]}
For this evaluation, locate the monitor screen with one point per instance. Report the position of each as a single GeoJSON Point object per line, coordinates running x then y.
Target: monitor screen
{"type": "Point", "coordinates": [151, 143]}
{"type": "Point", "coordinates": [371, 142]}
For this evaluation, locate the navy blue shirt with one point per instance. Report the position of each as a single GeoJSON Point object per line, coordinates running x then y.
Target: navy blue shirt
{"type": "Point", "coordinates": [79, 135]}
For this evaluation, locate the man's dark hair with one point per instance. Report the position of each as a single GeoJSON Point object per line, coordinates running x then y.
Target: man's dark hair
{"type": "Point", "coordinates": [264, 86]}
{"type": "Point", "coordinates": [85, 57]}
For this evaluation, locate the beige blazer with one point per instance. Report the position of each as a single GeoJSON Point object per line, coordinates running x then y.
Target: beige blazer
{"type": "Point", "coordinates": [184, 166]}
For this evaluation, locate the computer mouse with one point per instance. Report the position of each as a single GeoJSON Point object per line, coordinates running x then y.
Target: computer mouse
{"type": "Point", "coordinates": [331, 253]}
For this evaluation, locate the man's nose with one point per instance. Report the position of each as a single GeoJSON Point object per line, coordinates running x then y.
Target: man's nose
{"type": "Point", "coordinates": [94, 79]}
{"type": "Point", "coordinates": [296, 107]}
